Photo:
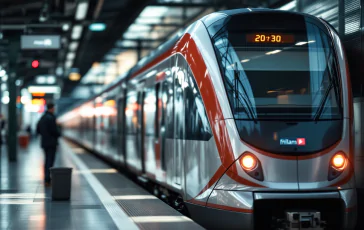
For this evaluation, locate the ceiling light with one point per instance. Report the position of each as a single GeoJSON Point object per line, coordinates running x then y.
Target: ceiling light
{"type": "Point", "coordinates": [148, 20]}
{"type": "Point", "coordinates": [289, 6]}
{"type": "Point", "coordinates": [69, 64]}
{"type": "Point", "coordinates": [74, 76]}
{"type": "Point", "coordinates": [2, 73]}
{"type": "Point", "coordinates": [65, 27]}
{"type": "Point", "coordinates": [71, 56]}
{"type": "Point", "coordinates": [76, 32]}
{"type": "Point", "coordinates": [44, 14]}
{"type": "Point", "coordinates": [41, 79]}
{"type": "Point", "coordinates": [97, 27]}
{"type": "Point", "coordinates": [81, 12]}
{"type": "Point", "coordinates": [59, 71]}
{"type": "Point", "coordinates": [5, 100]}
{"type": "Point", "coordinates": [44, 89]}
{"type": "Point", "coordinates": [24, 100]}
{"type": "Point", "coordinates": [245, 60]}
{"type": "Point", "coordinates": [18, 82]}
{"type": "Point", "coordinates": [154, 11]}
{"type": "Point", "coordinates": [5, 77]}
{"type": "Point", "coordinates": [51, 80]}
{"type": "Point", "coordinates": [73, 46]}
{"type": "Point", "coordinates": [138, 28]}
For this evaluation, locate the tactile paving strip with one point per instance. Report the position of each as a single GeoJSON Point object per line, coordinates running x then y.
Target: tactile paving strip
{"type": "Point", "coordinates": [86, 207]}
{"type": "Point", "coordinates": [145, 207]}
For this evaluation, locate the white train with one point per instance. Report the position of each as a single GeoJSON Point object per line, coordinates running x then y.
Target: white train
{"type": "Point", "coordinates": [246, 115]}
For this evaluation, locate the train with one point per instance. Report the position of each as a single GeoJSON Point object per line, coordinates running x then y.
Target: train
{"type": "Point", "coordinates": [246, 115]}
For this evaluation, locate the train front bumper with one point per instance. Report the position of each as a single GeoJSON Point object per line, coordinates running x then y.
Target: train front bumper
{"type": "Point", "coordinates": [249, 210]}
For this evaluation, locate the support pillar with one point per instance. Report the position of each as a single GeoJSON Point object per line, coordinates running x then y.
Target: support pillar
{"type": "Point", "coordinates": [12, 119]}
{"type": "Point", "coordinates": [139, 49]}
{"type": "Point", "coordinates": [12, 137]}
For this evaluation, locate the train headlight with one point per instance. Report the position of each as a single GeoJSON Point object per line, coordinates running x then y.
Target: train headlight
{"type": "Point", "coordinates": [339, 161]}
{"type": "Point", "coordinates": [337, 165]}
{"type": "Point", "coordinates": [248, 162]}
{"type": "Point", "coordinates": [251, 165]}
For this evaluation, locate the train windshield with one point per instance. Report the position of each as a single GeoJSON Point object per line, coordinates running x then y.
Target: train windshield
{"type": "Point", "coordinates": [278, 66]}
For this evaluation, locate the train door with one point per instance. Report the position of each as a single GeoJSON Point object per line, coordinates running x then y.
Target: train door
{"type": "Point", "coordinates": [158, 127]}
{"type": "Point", "coordinates": [120, 129]}
{"type": "Point", "coordinates": [179, 130]}
{"type": "Point", "coordinates": [168, 134]}
{"type": "Point", "coordinates": [162, 110]}
{"type": "Point", "coordinates": [132, 129]}
{"type": "Point", "coordinates": [93, 129]}
{"type": "Point", "coordinates": [98, 124]}
{"type": "Point", "coordinates": [140, 137]}
{"type": "Point", "coordinates": [149, 121]}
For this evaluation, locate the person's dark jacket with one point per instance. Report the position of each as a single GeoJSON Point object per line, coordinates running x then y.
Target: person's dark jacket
{"type": "Point", "coordinates": [48, 130]}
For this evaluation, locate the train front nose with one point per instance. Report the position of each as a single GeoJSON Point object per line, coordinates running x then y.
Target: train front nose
{"type": "Point", "coordinates": [275, 198]}
{"type": "Point", "coordinates": [272, 209]}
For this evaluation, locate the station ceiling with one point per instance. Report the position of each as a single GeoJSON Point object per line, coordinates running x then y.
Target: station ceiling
{"type": "Point", "coordinates": [130, 25]}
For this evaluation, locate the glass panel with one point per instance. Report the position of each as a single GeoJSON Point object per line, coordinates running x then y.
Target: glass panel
{"type": "Point", "coordinates": [278, 72]}
{"type": "Point", "coordinates": [149, 111]}
{"type": "Point", "coordinates": [196, 121]}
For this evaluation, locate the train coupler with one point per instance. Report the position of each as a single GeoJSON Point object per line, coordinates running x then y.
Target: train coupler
{"type": "Point", "coordinates": [310, 220]}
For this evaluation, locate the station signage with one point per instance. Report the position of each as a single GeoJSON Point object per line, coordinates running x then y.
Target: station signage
{"type": "Point", "coordinates": [40, 42]}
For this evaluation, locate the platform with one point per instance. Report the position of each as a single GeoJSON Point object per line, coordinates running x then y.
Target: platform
{"type": "Point", "coordinates": [102, 198]}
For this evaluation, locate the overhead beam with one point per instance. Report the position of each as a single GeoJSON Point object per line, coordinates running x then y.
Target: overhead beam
{"type": "Point", "coordinates": [179, 4]}
{"type": "Point", "coordinates": [127, 17]}
{"type": "Point", "coordinates": [279, 3]}
{"type": "Point", "coordinates": [25, 26]}
{"type": "Point", "coordinates": [21, 7]}
{"type": "Point", "coordinates": [142, 40]}
{"type": "Point", "coordinates": [136, 47]}
{"type": "Point", "coordinates": [162, 24]}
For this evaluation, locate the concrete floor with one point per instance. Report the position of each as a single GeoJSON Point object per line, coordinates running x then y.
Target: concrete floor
{"type": "Point", "coordinates": [101, 198]}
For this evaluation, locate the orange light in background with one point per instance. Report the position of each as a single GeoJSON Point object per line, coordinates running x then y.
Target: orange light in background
{"type": "Point", "coordinates": [38, 94]}
{"type": "Point", "coordinates": [248, 162]}
{"type": "Point", "coordinates": [74, 76]}
{"type": "Point", "coordinates": [38, 101]}
{"type": "Point", "coordinates": [18, 99]}
{"type": "Point", "coordinates": [110, 103]}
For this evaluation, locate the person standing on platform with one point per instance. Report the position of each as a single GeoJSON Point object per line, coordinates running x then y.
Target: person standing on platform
{"type": "Point", "coordinates": [48, 130]}
{"type": "Point", "coordinates": [2, 126]}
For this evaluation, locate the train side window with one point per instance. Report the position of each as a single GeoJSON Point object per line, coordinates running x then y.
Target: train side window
{"type": "Point", "coordinates": [131, 114]}
{"type": "Point", "coordinates": [168, 96]}
{"type": "Point", "coordinates": [120, 125]}
{"type": "Point", "coordinates": [120, 109]}
{"type": "Point", "coordinates": [149, 111]}
{"type": "Point", "coordinates": [196, 120]}
{"type": "Point", "coordinates": [158, 109]}
{"type": "Point", "coordinates": [164, 132]}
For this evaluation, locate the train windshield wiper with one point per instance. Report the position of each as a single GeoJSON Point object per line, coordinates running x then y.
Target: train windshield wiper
{"type": "Point", "coordinates": [243, 95]}
{"type": "Point", "coordinates": [333, 85]}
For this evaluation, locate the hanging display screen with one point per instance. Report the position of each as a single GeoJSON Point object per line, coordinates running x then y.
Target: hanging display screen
{"type": "Point", "coordinates": [270, 38]}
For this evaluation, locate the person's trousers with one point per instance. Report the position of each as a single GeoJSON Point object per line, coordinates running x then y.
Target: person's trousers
{"type": "Point", "coordinates": [50, 154]}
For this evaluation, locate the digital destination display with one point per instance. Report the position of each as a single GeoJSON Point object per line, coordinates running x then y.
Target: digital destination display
{"type": "Point", "coordinates": [270, 38]}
